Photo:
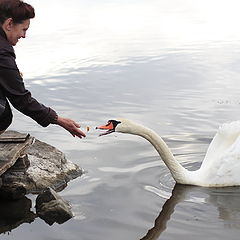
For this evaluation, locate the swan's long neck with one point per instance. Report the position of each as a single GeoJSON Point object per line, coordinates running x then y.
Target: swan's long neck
{"type": "Point", "coordinates": [178, 172]}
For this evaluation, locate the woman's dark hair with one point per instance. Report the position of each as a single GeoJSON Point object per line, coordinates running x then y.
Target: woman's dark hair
{"type": "Point", "coordinates": [15, 9]}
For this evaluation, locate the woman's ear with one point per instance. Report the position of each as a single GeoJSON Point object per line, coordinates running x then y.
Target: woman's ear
{"type": "Point", "coordinates": [7, 25]}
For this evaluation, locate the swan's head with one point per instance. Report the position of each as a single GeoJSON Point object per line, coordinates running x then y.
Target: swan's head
{"type": "Point", "coordinates": [121, 125]}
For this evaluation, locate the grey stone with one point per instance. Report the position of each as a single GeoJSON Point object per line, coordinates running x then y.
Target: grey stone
{"type": "Point", "coordinates": [22, 164]}
{"type": "Point", "coordinates": [45, 166]}
{"type": "Point", "coordinates": [52, 208]}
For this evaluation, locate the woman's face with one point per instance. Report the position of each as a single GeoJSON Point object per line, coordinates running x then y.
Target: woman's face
{"type": "Point", "coordinates": [15, 31]}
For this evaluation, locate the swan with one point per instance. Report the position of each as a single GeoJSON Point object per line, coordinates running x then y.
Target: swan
{"type": "Point", "coordinates": [220, 166]}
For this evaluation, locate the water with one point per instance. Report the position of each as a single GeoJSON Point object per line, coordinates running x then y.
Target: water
{"type": "Point", "coordinates": [170, 65]}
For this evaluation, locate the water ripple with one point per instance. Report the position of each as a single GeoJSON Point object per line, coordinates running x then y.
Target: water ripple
{"type": "Point", "coordinates": [133, 169]}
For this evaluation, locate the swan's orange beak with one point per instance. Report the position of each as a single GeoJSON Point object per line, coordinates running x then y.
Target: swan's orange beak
{"type": "Point", "coordinates": [109, 127]}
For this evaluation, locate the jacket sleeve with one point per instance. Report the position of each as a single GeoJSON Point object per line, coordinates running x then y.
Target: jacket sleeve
{"type": "Point", "coordinates": [13, 87]}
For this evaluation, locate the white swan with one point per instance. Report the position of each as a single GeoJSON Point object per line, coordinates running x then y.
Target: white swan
{"type": "Point", "coordinates": [220, 167]}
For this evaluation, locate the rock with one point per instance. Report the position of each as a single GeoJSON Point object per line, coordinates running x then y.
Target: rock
{"type": "Point", "coordinates": [49, 206]}
{"type": "Point", "coordinates": [52, 208]}
{"type": "Point", "coordinates": [33, 170]}
{"type": "Point", "coordinates": [22, 164]}
{"type": "Point", "coordinates": [47, 167]}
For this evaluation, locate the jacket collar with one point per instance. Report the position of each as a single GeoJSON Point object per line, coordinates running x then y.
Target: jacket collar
{"type": "Point", "coordinates": [2, 33]}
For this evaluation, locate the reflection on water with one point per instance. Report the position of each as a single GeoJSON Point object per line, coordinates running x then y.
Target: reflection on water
{"type": "Point", "coordinates": [172, 67]}
{"type": "Point", "coordinates": [15, 213]}
{"type": "Point", "coordinates": [226, 200]}
{"type": "Point", "coordinates": [97, 34]}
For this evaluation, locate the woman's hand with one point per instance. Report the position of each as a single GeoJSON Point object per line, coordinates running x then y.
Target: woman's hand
{"type": "Point", "coordinates": [70, 126]}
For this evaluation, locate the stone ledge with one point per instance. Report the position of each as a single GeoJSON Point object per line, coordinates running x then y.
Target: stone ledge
{"type": "Point", "coordinates": [48, 167]}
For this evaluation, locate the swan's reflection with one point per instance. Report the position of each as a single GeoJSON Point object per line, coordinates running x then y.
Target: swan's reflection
{"type": "Point", "coordinates": [226, 200]}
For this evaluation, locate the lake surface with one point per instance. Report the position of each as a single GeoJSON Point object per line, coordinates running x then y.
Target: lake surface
{"type": "Point", "coordinates": [170, 65]}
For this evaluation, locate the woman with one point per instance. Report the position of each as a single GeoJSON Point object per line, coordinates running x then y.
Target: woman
{"type": "Point", "coordinates": [15, 18]}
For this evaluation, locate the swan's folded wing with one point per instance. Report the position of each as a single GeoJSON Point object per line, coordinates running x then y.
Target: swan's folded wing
{"type": "Point", "coordinates": [226, 141]}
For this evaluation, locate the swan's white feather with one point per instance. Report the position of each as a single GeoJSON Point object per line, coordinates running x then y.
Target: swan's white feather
{"type": "Point", "coordinates": [224, 144]}
{"type": "Point", "coordinates": [221, 165]}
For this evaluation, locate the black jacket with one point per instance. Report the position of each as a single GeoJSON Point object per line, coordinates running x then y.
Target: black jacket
{"type": "Point", "coordinates": [12, 87]}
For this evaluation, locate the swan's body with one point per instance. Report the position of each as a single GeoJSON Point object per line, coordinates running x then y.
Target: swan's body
{"type": "Point", "coordinates": [220, 167]}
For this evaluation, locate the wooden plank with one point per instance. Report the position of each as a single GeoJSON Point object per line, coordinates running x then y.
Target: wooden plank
{"type": "Point", "coordinates": [11, 151]}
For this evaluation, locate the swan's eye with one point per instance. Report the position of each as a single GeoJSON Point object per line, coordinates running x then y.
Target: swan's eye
{"type": "Point", "coordinates": [114, 123]}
